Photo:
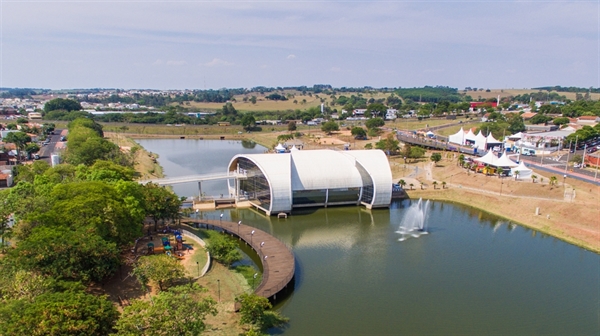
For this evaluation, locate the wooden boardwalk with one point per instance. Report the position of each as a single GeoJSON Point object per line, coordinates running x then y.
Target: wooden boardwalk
{"type": "Point", "coordinates": [277, 259]}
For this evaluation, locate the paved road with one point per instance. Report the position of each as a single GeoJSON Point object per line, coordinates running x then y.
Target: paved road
{"type": "Point", "coordinates": [50, 148]}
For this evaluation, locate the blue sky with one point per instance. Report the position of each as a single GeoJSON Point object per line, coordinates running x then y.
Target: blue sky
{"type": "Point", "coordinates": [214, 44]}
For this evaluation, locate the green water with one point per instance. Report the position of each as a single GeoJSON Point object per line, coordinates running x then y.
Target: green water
{"type": "Point", "coordinates": [473, 274]}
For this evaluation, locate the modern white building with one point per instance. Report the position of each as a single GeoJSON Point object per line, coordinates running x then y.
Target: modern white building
{"type": "Point", "coordinates": [276, 183]}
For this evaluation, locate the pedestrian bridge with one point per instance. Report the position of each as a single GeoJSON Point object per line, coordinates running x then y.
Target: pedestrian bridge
{"type": "Point", "coordinates": [194, 178]}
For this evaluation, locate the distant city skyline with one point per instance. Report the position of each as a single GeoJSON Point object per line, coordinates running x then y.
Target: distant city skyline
{"type": "Point", "coordinates": [213, 44]}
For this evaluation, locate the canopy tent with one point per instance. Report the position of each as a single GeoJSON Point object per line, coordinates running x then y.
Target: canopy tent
{"type": "Point", "coordinates": [517, 136]}
{"type": "Point", "coordinates": [458, 137]}
{"type": "Point", "coordinates": [430, 134]}
{"type": "Point", "coordinates": [504, 161]}
{"type": "Point", "coordinates": [480, 141]}
{"type": "Point", "coordinates": [280, 148]}
{"type": "Point", "coordinates": [491, 140]}
{"type": "Point", "coordinates": [470, 136]}
{"type": "Point", "coordinates": [491, 159]}
{"type": "Point", "coordinates": [524, 172]}
{"type": "Point", "coordinates": [294, 148]}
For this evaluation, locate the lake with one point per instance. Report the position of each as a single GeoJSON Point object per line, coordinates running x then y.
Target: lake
{"type": "Point", "coordinates": [474, 273]}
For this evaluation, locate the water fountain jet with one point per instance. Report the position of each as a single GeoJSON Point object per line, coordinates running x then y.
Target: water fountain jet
{"type": "Point", "coordinates": [414, 221]}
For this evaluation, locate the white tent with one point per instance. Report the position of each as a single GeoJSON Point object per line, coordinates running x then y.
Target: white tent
{"type": "Point", "coordinates": [489, 159]}
{"type": "Point", "coordinates": [458, 138]}
{"type": "Point", "coordinates": [470, 136]}
{"type": "Point", "coordinates": [280, 148]}
{"type": "Point", "coordinates": [294, 148]}
{"type": "Point", "coordinates": [491, 140]}
{"type": "Point", "coordinates": [504, 161]}
{"type": "Point", "coordinates": [524, 172]}
{"type": "Point", "coordinates": [480, 141]}
{"type": "Point", "coordinates": [517, 136]}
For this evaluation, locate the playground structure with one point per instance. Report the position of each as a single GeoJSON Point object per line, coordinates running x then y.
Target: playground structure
{"type": "Point", "coordinates": [173, 250]}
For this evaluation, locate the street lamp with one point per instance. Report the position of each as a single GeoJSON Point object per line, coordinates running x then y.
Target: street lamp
{"type": "Point", "coordinates": [254, 278]}
{"type": "Point", "coordinates": [239, 223]}
{"type": "Point", "coordinates": [251, 236]}
{"type": "Point", "coordinates": [564, 180]}
{"type": "Point", "coordinates": [221, 217]}
{"type": "Point", "coordinates": [219, 288]}
{"type": "Point", "coordinates": [198, 266]}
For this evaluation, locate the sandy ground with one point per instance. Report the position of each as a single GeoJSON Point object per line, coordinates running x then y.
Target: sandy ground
{"type": "Point", "coordinates": [569, 211]}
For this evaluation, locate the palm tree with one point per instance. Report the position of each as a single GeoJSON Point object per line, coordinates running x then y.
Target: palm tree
{"type": "Point", "coordinates": [553, 180]}
{"type": "Point", "coordinates": [402, 183]}
{"type": "Point", "coordinates": [500, 171]}
{"type": "Point", "coordinates": [461, 159]}
{"type": "Point", "coordinates": [435, 185]}
{"type": "Point", "coordinates": [541, 180]}
{"type": "Point", "coordinates": [533, 177]}
{"type": "Point", "coordinates": [517, 174]}
{"type": "Point", "coordinates": [443, 184]}
{"type": "Point", "coordinates": [411, 186]}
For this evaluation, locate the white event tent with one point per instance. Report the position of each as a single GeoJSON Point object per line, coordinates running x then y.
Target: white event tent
{"type": "Point", "coordinates": [524, 172]}
{"type": "Point", "coordinates": [458, 138]}
{"type": "Point", "coordinates": [491, 159]}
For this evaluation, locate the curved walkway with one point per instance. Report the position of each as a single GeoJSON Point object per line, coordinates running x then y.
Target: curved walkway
{"type": "Point", "coordinates": [277, 259]}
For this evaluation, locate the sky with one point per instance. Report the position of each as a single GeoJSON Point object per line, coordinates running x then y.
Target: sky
{"type": "Point", "coordinates": [241, 44]}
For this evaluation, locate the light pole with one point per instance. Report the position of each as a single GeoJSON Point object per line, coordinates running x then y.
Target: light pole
{"type": "Point", "coordinates": [198, 266]}
{"type": "Point", "coordinates": [251, 236]}
{"type": "Point", "coordinates": [564, 179]}
{"type": "Point", "coordinates": [568, 154]}
{"type": "Point", "coordinates": [219, 288]}
{"type": "Point", "coordinates": [239, 223]}
{"type": "Point", "coordinates": [254, 278]}
{"type": "Point", "coordinates": [221, 217]}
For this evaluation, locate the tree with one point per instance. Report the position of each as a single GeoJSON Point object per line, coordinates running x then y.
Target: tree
{"type": "Point", "coordinates": [533, 178]}
{"type": "Point", "coordinates": [253, 99]}
{"type": "Point", "coordinates": [517, 173]}
{"type": "Point", "coordinates": [416, 152]}
{"type": "Point", "coordinates": [160, 269]}
{"type": "Point", "coordinates": [358, 132]}
{"type": "Point", "coordinates": [436, 157]}
{"type": "Point", "coordinates": [62, 104]}
{"type": "Point", "coordinates": [177, 311]}
{"type": "Point", "coordinates": [435, 185]}
{"type": "Point", "coordinates": [374, 123]}
{"type": "Point", "coordinates": [254, 310]}
{"type": "Point", "coordinates": [20, 139]}
{"type": "Point", "coordinates": [61, 313]}
{"type": "Point", "coordinates": [329, 127]}
{"type": "Point", "coordinates": [411, 186]}
{"type": "Point", "coordinates": [248, 121]}
{"type": "Point", "coordinates": [553, 180]}
{"type": "Point", "coordinates": [402, 183]}
{"type": "Point", "coordinates": [443, 184]}
{"type": "Point", "coordinates": [161, 203]}
{"type": "Point", "coordinates": [389, 144]}
{"type": "Point", "coordinates": [291, 126]}
{"type": "Point", "coordinates": [500, 170]}
{"type": "Point", "coordinates": [223, 249]}
{"type": "Point", "coordinates": [63, 253]}
{"type": "Point", "coordinates": [376, 109]}
{"type": "Point", "coordinates": [31, 148]}
{"type": "Point", "coordinates": [461, 160]}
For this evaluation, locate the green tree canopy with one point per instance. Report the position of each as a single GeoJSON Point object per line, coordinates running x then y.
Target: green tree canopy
{"type": "Point", "coordinates": [61, 313]}
{"type": "Point", "coordinates": [178, 311]}
{"type": "Point", "coordinates": [62, 104]}
{"type": "Point", "coordinates": [160, 269]}
{"type": "Point", "coordinates": [389, 144]}
{"type": "Point", "coordinates": [436, 157]}
{"type": "Point", "coordinates": [255, 310]}
{"type": "Point", "coordinates": [374, 123]}
{"type": "Point", "coordinates": [62, 253]}
{"type": "Point", "coordinates": [223, 249]}
{"type": "Point", "coordinates": [358, 132]}
{"type": "Point", "coordinates": [329, 127]}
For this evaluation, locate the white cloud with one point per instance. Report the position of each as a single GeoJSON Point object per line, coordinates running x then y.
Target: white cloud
{"type": "Point", "coordinates": [292, 56]}
{"type": "Point", "coordinates": [217, 62]}
{"type": "Point", "coordinates": [176, 63]}
{"type": "Point", "coordinates": [158, 62]}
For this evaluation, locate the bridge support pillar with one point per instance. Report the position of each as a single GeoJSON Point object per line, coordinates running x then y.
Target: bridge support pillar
{"type": "Point", "coordinates": [200, 191]}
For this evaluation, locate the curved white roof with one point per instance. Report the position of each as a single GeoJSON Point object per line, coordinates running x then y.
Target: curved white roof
{"type": "Point", "coordinates": [378, 167]}
{"type": "Point", "coordinates": [319, 170]}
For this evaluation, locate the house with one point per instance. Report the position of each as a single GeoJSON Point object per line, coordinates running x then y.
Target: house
{"type": "Point", "coordinates": [34, 116]}
{"type": "Point", "coordinates": [359, 112]}
{"type": "Point", "coordinates": [588, 120]}
{"type": "Point", "coordinates": [391, 114]}
{"type": "Point", "coordinates": [6, 179]}
{"type": "Point", "coordinates": [528, 115]}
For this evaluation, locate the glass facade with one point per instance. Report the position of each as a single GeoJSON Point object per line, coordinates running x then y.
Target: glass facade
{"type": "Point", "coordinates": [343, 195]}
{"type": "Point", "coordinates": [367, 194]}
{"type": "Point", "coordinates": [302, 197]}
{"type": "Point", "coordinates": [255, 186]}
